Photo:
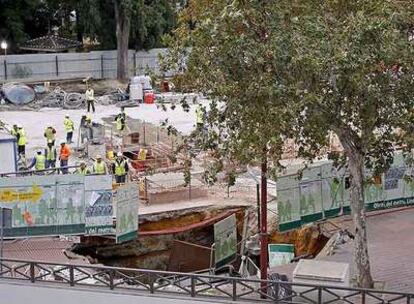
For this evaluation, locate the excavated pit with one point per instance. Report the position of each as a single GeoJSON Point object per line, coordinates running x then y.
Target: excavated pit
{"type": "Point", "coordinates": [157, 232]}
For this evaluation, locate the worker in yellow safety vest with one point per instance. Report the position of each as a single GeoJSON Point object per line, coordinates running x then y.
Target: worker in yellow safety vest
{"type": "Point", "coordinates": [14, 130]}
{"type": "Point", "coordinates": [82, 170]}
{"type": "Point", "coordinates": [99, 167]}
{"type": "Point", "coordinates": [90, 99]}
{"type": "Point", "coordinates": [51, 155]}
{"type": "Point", "coordinates": [50, 134]}
{"type": "Point", "coordinates": [21, 141]}
{"type": "Point", "coordinates": [142, 154]}
{"type": "Point", "coordinates": [120, 168]}
{"type": "Point", "coordinates": [38, 162]}
{"type": "Point", "coordinates": [69, 128]}
{"type": "Point", "coordinates": [120, 120]}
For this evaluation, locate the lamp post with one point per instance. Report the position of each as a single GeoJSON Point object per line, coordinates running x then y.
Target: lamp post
{"type": "Point", "coordinates": [4, 46]}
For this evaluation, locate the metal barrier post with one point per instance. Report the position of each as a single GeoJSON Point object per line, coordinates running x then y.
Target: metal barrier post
{"type": "Point", "coordinates": [193, 292]}
{"type": "Point", "coordinates": [319, 295]}
{"type": "Point", "coordinates": [111, 280]}
{"type": "Point", "coordinates": [151, 279]}
{"type": "Point", "coordinates": [71, 276]}
{"type": "Point", "coordinates": [135, 63]}
{"type": "Point", "coordinates": [234, 296]}
{"type": "Point", "coordinates": [57, 65]}
{"type": "Point", "coordinates": [32, 272]}
{"type": "Point", "coordinates": [102, 66]}
{"type": "Point", "coordinates": [5, 69]}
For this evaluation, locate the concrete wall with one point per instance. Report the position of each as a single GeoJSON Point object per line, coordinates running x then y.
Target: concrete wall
{"type": "Point", "coordinates": [174, 195]}
{"type": "Point", "coordinates": [97, 64]}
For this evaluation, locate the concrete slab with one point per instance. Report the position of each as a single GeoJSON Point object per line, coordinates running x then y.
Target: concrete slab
{"type": "Point", "coordinates": [192, 204]}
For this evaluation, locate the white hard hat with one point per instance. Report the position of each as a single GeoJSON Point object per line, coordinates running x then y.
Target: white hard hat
{"type": "Point", "coordinates": [67, 115]}
{"type": "Point", "coordinates": [63, 142]}
{"type": "Point", "coordinates": [119, 154]}
{"type": "Point", "coordinates": [98, 156]}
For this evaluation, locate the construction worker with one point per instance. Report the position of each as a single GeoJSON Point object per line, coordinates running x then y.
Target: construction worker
{"type": "Point", "coordinates": [199, 117]}
{"type": "Point", "coordinates": [50, 154]}
{"type": "Point", "coordinates": [120, 120]}
{"type": "Point", "coordinates": [120, 168]}
{"type": "Point", "coordinates": [14, 130]}
{"type": "Point", "coordinates": [64, 156]}
{"type": "Point", "coordinates": [99, 167]}
{"type": "Point", "coordinates": [90, 99]}
{"type": "Point", "coordinates": [69, 128]}
{"type": "Point", "coordinates": [50, 134]}
{"type": "Point", "coordinates": [142, 154]}
{"type": "Point", "coordinates": [82, 170]}
{"type": "Point", "coordinates": [38, 162]}
{"type": "Point", "coordinates": [21, 141]}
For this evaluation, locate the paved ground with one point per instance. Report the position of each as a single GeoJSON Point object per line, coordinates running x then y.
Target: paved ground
{"type": "Point", "coordinates": [391, 248]}
{"type": "Point", "coordinates": [14, 293]}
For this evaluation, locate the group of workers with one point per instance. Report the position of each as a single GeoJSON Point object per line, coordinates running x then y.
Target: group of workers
{"type": "Point", "coordinates": [119, 168]}
{"type": "Point", "coordinates": [46, 158]}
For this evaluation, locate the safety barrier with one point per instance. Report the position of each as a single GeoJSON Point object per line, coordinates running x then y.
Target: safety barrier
{"type": "Point", "coordinates": [191, 285]}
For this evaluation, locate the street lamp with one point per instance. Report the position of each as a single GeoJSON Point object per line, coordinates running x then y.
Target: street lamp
{"type": "Point", "coordinates": [4, 45]}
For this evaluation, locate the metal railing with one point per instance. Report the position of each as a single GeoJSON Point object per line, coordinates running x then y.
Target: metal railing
{"type": "Point", "coordinates": [192, 285]}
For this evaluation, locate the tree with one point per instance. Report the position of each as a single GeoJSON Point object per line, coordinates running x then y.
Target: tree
{"type": "Point", "coordinates": [341, 66]}
{"type": "Point", "coordinates": [238, 56]}
{"type": "Point", "coordinates": [123, 24]}
{"type": "Point", "coordinates": [356, 80]}
{"type": "Point", "coordinates": [151, 21]}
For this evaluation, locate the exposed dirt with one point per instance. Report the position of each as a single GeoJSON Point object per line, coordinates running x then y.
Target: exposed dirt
{"type": "Point", "coordinates": [307, 240]}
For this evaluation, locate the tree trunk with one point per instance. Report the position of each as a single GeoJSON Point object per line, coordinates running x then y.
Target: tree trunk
{"type": "Point", "coordinates": [123, 23]}
{"type": "Point", "coordinates": [361, 265]}
{"type": "Point", "coordinates": [263, 228]}
{"type": "Point", "coordinates": [79, 27]}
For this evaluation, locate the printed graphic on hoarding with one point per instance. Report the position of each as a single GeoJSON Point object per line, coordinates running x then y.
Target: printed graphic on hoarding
{"type": "Point", "coordinates": [127, 199]}
{"type": "Point", "coordinates": [225, 240]}
{"type": "Point", "coordinates": [98, 205]}
{"type": "Point", "coordinates": [44, 205]}
{"type": "Point", "coordinates": [280, 254]}
{"type": "Point", "coordinates": [324, 192]}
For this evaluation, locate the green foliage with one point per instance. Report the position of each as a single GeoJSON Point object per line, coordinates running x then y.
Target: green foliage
{"type": "Point", "coordinates": [302, 69]}
{"type": "Point", "coordinates": [21, 20]}
{"type": "Point", "coordinates": [152, 19]}
{"type": "Point", "coordinates": [356, 76]}
{"type": "Point", "coordinates": [238, 57]}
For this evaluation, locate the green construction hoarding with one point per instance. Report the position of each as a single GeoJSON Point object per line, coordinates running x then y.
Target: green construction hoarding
{"type": "Point", "coordinates": [323, 192]}
{"type": "Point", "coordinates": [98, 205]}
{"type": "Point", "coordinates": [280, 254]}
{"type": "Point", "coordinates": [58, 205]}
{"type": "Point", "coordinates": [46, 205]}
{"type": "Point", "coordinates": [225, 241]}
{"type": "Point", "coordinates": [126, 200]}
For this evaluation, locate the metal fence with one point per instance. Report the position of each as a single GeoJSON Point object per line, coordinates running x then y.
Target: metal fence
{"type": "Point", "coordinates": [192, 285]}
{"type": "Point", "coordinates": [97, 64]}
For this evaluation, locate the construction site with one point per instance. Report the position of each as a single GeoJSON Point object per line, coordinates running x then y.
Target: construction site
{"type": "Point", "coordinates": [176, 216]}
